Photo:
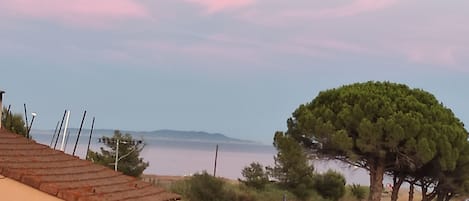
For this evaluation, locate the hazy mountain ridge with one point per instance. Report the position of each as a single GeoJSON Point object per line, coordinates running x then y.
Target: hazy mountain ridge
{"type": "Point", "coordinates": [163, 134]}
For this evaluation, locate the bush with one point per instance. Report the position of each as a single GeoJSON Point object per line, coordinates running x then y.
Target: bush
{"type": "Point", "coordinates": [358, 191]}
{"type": "Point", "coordinates": [13, 122]}
{"type": "Point", "coordinates": [255, 176]}
{"type": "Point", "coordinates": [330, 185]}
{"type": "Point", "coordinates": [204, 187]}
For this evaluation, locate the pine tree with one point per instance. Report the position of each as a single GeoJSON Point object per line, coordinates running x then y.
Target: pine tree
{"type": "Point", "coordinates": [130, 162]}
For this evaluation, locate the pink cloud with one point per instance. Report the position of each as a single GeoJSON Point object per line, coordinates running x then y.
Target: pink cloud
{"type": "Point", "coordinates": [334, 44]}
{"type": "Point", "coordinates": [214, 6]}
{"type": "Point", "coordinates": [288, 15]}
{"type": "Point", "coordinates": [443, 56]}
{"type": "Point", "coordinates": [81, 12]}
{"type": "Point", "coordinates": [353, 8]}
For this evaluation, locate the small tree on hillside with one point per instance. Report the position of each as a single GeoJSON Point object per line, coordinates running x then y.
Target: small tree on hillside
{"type": "Point", "coordinates": [130, 162]}
{"type": "Point", "coordinates": [292, 167]}
{"type": "Point", "coordinates": [13, 122]}
{"type": "Point", "coordinates": [255, 176]}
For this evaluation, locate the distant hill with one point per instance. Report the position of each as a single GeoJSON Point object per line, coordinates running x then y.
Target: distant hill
{"type": "Point", "coordinates": [165, 134]}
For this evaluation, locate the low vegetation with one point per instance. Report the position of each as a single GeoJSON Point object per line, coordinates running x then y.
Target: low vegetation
{"type": "Point", "coordinates": [13, 122]}
{"type": "Point", "coordinates": [359, 192]}
{"type": "Point", "coordinates": [204, 187]}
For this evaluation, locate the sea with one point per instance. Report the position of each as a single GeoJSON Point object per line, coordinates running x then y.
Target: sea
{"type": "Point", "coordinates": [184, 158]}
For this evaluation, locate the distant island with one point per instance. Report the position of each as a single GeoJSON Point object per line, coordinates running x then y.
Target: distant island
{"type": "Point", "coordinates": [163, 134]}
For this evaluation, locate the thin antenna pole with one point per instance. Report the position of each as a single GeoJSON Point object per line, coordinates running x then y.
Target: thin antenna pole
{"type": "Point", "coordinates": [79, 131]}
{"type": "Point", "coordinates": [31, 125]}
{"type": "Point", "coordinates": [8, 114]}
{"type": "Point", "coordinates": [9, 107]}
{"type": "Point", "coordinates": [89, 141]}
{"type": "Point", "coordinates": [26, 116]}
{"type": "Point", "coordinates": [53, 136]}
{"type": "Point", "coordinates": [60, 129]}
{"type": "Point", "coordinates": [216, 157]}
{"type": "Point", "coordinates": [62, 146]}
{"type": "Point", "coordinates": [66, 140]}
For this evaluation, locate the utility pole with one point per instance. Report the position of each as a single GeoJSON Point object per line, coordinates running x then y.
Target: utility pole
{"type": "Point", "coordinates": [117, 155]}
{"type": "Point", "coordinates": [216, 157]}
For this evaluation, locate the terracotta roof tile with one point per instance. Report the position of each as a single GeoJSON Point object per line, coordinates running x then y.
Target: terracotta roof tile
{"type": "Point", "coordinates": [68, 177]}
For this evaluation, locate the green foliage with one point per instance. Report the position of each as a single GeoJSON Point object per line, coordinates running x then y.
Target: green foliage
{"type": "Point", "coordinates": [13, 122]}
{"type": "Point", "coordinates": [330, 185]}
{"type": "Point", "coordinates": [380, 126]}
{"type": "Point", "coordinates": [204, 187]}
{"type": "Point", "coordinates": [292, 168]}
{"type": "Point", "coordinates": [255, 176]}
{"type": "Point", "coordinates": [358, 191]}
{"type": "Point", "coordinates": [130, 164]}
{"type": "Point", "coordinates": [236, 192]}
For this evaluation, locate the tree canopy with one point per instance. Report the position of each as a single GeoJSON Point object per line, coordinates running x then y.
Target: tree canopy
{"type": "Point", "coordinates": [379, 126]}
{"type": "Point", "coordinates": [130, 162]}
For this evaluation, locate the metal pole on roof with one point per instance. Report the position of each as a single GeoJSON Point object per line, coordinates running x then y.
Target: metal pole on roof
{"type": "Point", "coordinates": [1, 106]}
{"type": "Point", "coordinates": [89, 141]}
{"type": "Point", "coordinates": [8, 115]}
{"type": "Point", "coordinates": [26, 117]}
{"type": "Point", "coordinates": [31, 125]}
{"type": "Point", "coordinates": [79, 131]}
{"type": "Point", "coordinates": [62, 147]}
{"type": "Point", "coordinates": [66, 140]}
{"type": "Point", "coordinates": [9, 108]}
{"type": "Point", "coordinates": [53, 135]}
{"type": "Point", "coordinates": [60, 129]}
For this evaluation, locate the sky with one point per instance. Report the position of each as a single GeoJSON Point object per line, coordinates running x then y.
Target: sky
{"type": "Point", "coordinates": [236, 67]}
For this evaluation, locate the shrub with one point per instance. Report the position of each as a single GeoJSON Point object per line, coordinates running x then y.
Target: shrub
{"type": "Point", "coordinates": [255, 176]}
{"type": "Point", "coordinates": [13, 122]}
{"type": "Point", "coordinates": [358, 191]}
{"type": "Point", "coordinates": [204, 187]}
{"type": "Point", "coordinates": [330, 185]}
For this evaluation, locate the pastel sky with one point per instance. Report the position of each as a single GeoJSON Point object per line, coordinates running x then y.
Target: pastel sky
{"type": "Point", "coordinates": [237, 67]}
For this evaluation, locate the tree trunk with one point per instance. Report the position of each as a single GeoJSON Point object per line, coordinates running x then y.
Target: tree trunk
{"type": "Point", "coordinates": [428, 196]}
{"type": "Point", "coordinates": [376, 179]}
{"type": "Point", "coordinates": [424, 192]}
{"type": "Point", "coordinates": [411, 192]}
{"type": "Point", "coordinates": [397, 182]}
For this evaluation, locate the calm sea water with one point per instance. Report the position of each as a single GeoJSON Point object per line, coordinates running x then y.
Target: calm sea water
{"type": "Point", "coordinates": [185, 158]}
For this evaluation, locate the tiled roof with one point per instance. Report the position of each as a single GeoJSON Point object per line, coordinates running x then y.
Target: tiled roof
{"type": "Point", "coordinates": [68, 177]}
